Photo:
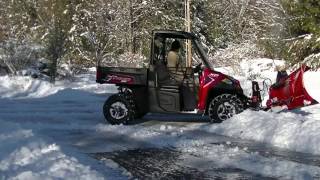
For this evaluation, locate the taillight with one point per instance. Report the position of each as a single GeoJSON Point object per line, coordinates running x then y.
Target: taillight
{"type": "Point", "coordinates": [98, 74]}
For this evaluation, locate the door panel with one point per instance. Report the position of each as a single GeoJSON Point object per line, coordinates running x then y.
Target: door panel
{"type": "Point", "coordinates": [189, 90]}
{"type": "Point", "coordinates": [169, 98]}
{"type": "Point", "coordinates": [162, 98]}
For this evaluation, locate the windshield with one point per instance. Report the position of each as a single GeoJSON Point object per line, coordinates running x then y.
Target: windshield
{"type": "Point", "coordinates": [202, 53]}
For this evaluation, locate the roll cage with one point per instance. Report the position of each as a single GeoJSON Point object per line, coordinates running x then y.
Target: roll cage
{"type": "Point", "coordinates": [164, 34]}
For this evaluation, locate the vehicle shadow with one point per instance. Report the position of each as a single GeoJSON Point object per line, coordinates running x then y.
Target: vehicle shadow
{"type": "Point", "coordinates": [67, 106]}
{"type": "Point", "coordinates": [298, 111]}
{"type": "Point", "coordinates": [187, 118]}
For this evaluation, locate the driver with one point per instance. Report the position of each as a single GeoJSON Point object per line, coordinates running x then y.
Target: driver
{"type": "Point", "coordinates": [174, 61]}
{"type": "Point", "coordinates": [173, 56]}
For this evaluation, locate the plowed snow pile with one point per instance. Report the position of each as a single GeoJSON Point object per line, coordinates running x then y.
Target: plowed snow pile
{"type": "Point", "coordinates": [297, 130]}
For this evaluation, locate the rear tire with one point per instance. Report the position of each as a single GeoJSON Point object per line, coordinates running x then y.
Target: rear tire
{"type": "Point", "coordinates": [118, 109]}
{"type": "Point", "coordinates": [224, 107]}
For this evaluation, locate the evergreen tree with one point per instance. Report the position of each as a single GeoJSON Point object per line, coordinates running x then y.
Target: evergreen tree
{"type": "Point", "coordinates": [304, 27]}
{"type": "Point", "coordinates": [304, 16]}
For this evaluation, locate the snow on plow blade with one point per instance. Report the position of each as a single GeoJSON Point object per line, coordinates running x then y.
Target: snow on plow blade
{"type": "Point", "coordinates": [295, 90]}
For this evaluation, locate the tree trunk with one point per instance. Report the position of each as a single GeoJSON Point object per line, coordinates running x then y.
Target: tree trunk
{"type": "Point", "coordinates": [132, 43]}
{"type": "Point", "coordinates": [55, 49]}
{"type": "Point", "coordinates": [241, 14]}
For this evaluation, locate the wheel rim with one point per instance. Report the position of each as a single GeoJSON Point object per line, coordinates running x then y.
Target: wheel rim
{"type": "Point", "coordinates": [118, 110]}
{"type": "Point", "coordinates": [226, 110]}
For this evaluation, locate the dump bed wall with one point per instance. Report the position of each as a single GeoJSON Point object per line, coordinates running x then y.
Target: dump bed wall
{"type": "Point", "coordinates": [122, 76]}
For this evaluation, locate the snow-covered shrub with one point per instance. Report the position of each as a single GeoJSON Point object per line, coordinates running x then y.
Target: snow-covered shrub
{"type": "Point", "coordinates": [304, 49]}
{"type": "Point", "coordinates": [17, 55]}
{"type": "Point", "coordinates": [64, 71]}
{"type": "Point", "coordinates": [313, 61]}
{"type": "Point", "coordinates": [126, 60]}
{"type": "Point", "coordinates": [254, 76]}
{"type": "Point", "coordinates": [235, 53]}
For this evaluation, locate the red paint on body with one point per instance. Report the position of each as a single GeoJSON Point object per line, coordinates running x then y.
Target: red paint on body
{"type": "Point", "coordinates": [119, 79]}
{"type": "Point", "coordinates": [208, 80]}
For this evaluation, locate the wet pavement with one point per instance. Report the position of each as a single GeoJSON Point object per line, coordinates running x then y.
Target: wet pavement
{"type": "Point", "coordinates": [164, 164]}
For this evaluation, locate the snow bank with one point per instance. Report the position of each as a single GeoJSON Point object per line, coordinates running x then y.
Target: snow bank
{"type": "Point", "coordinates": [23, 86]}
{"type": "Point", "coordinates": [24, 155]}
{"type": "Point", "coordinates": [27, 87]}
{"type": "Point", "coordinates": [297, 130]}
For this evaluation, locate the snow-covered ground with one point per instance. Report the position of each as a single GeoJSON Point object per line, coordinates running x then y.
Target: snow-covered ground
{"type": "Point", "coordinates": [28, 107]}
{"type": "Point", "coordinates": [52, 131]}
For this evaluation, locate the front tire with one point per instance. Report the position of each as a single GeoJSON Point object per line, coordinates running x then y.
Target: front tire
{"type": "Point", "coordinates": [118, 110]}
{"type": "Point", "coordinates": [224, 107]}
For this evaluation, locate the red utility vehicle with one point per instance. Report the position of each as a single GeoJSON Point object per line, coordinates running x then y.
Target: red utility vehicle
{"type": "Point", "coordinates": [200, 89]}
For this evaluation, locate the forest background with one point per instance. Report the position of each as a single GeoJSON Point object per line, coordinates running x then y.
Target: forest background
{"type": "Point", "coordinates": [76, 34]}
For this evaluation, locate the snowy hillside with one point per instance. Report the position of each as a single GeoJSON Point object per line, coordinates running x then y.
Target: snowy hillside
{"type": "Point", "coordinates": [56, 131]}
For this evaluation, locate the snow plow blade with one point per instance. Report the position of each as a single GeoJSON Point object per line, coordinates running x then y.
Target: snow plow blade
{"type": "Point", "coordinates": [291, 91]}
